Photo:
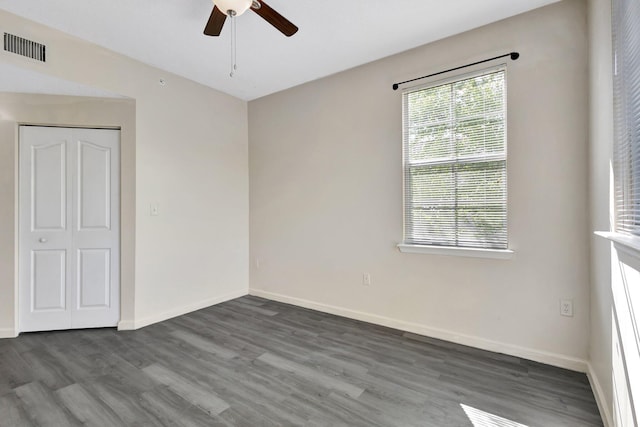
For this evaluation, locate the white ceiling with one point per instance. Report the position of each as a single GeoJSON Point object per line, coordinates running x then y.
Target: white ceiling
{"type": "Point", "coordinates": [334, 35]}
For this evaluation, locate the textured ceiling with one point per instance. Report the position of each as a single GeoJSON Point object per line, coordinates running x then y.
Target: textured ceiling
{"type": "Point", "coordinates": [334, 35]}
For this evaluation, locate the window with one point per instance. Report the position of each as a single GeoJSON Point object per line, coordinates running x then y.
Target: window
{"type": "Point", "coordinates": [455, 167]}
{"type": "Point", "coordinates": [626, 90]}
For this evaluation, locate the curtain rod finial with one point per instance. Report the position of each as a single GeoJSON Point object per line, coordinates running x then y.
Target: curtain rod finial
{"type": "Point", "coordinates": [395, 86]}
{"type": "Point", "coordinates": [515, 55]}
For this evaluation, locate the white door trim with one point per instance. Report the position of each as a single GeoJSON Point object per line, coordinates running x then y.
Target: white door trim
{"type": "Point", "coordinates": [92, 242]}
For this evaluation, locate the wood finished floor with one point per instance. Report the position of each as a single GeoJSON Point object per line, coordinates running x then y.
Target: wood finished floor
{"type": "Point", "coordinates": [253, 362]}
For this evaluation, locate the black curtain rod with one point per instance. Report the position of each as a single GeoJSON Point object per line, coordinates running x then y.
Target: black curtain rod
{"type": "Point", "coordinates": [513, 55]}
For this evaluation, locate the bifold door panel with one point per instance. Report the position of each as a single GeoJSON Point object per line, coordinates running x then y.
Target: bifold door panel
{"type": "Point", "coordinates": [69, 228]}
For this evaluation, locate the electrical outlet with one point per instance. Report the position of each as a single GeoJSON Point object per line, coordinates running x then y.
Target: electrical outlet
{"type": "Point", "coordinates": [366, 279]}
{"type": "Point", "coordinates": [566, 307]}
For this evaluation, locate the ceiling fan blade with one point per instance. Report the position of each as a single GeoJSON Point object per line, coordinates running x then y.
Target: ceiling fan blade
{"type": "Point", "coordinates": [216, 21]}
{"type": "Point", "coordinates": [274, 18]}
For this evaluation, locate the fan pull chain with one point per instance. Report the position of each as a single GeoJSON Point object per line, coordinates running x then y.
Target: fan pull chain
{"type": "Point", "coordinates": [234, 47]}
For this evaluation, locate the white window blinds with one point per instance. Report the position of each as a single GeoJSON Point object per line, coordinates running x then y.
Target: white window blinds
{"type": "Point", "coordinates": [626, 41]}
{"type": "Point", "coordinates": [455, 180]}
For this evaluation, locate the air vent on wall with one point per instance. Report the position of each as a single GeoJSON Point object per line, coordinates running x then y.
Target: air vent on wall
{"type": "Point", "coordinates": [24, 47]}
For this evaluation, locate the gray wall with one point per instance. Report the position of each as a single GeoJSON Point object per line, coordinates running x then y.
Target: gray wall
{"type": "Point", "coordinates": [18, 109]}
{"type": "Point", "coordinates": [326, 196]}
{"type": "Point", "coordinates": [190, 159]}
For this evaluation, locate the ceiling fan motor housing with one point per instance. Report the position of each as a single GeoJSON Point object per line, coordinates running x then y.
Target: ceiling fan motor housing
{"type": "Point", "coordinates": [224, 8]}
{"type": "Point", "coordinates": [238, 7]}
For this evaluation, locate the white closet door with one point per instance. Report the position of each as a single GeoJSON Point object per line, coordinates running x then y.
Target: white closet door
{"type": "Point", "coordinates": [69, 228]}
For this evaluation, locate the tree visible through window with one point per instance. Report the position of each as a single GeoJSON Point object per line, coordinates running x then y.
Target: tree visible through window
{"type": "Point", "coordinates": [455, 182]}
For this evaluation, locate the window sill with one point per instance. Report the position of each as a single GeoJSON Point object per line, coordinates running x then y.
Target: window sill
{"type": "Point", "coordinates": [623, 242]}
{"type": "Point", "coordinates": [452, 251]}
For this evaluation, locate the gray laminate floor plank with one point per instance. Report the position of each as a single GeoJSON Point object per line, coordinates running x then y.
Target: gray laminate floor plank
{"type": "Point", "coordinates": [204, 344]}
{"type": "Point", "coordinates": [230, 379]}
{"type": "Point", "coordinates": [43, 408]}
{"type": "Point", "coordinates": [14, 370]}
{"type": "Point", "coordinates": [45, 368]}
{"type": "Point", "coordinates": [87, 408]}
{"type": "Point", "coordinates": [250, 308]}
{"type": "Point", "coordinates": [12, 412]}
{"type": "Point", "coordinates": [172, 410]}
{"type": "Point", "coordinates": [240, 345]}
{"type": "Point", "coordinates": [254, 362]}
{"type": "Point", "coordinates": [125, 403]}
{"type": "Point", "coordinates": [311, 375]}
{"type": "Point", "coordinates": [192, 392]}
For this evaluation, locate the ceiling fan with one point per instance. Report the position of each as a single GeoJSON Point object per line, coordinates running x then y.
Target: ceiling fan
{"type": "Point", "coordinates": [233, 8]}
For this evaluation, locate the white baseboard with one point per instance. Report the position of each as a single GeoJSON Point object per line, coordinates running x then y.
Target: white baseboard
{"type": "Point", "coordinates": [601, 399]}
{"type": "Point", "coordinates": [8, 333]}
{"type": "Point", "coordinates": [553, 359]}
{"type": "Point", "coordinates": [125, 325]}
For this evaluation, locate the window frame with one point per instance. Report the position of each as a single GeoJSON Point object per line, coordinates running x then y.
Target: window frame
{"type": "Point", "coordinates": [407, 245]}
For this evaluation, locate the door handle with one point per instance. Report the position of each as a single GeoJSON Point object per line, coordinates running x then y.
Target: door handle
{"type": "Point", "coordinates": [42, 240]}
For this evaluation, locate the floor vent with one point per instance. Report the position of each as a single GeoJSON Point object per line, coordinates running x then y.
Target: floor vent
{"type": "Point", "coordinates": [25, 47]}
